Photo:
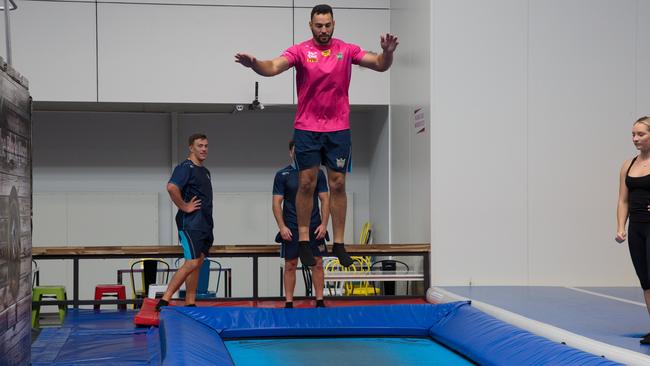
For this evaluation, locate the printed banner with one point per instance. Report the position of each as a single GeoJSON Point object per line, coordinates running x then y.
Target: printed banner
{"type": "Point", "coordinates": [15, 222]}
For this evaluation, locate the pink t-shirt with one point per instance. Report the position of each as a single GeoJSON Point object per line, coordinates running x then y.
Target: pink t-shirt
{"type": "Point", "coordinates": [323, 79]}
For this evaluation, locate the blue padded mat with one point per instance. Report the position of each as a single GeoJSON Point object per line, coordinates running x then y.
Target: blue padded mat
{"type": "Point", "coordinates": [92, 338]}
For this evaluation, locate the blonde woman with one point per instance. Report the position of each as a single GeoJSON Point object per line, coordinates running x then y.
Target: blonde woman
{"type": "Point", "coordinates": [634, 203]}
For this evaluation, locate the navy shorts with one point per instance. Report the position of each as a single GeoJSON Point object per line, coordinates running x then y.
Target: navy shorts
{"type": "Point", "coordinates": [195, 242]}
{"type": "Point", "coordinates": [289, 249]}
{"type": "Point", "coordinates": [332, 149]}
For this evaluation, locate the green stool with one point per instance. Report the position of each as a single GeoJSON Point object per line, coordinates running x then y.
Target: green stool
{"type": "Point", "coordinates": [39, 292]}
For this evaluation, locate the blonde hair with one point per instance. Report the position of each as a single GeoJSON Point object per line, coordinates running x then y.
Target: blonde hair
{"type": "Point", "coordinates": [645, 120]}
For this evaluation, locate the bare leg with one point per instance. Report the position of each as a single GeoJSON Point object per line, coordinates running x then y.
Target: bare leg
{"type": "Point", "coordinates": [338, 203]}
{"type": "Point", "coordinates": [305, 200]}
{"type": "Point", "coordinates": [318, 278]}
{"type": "Point", "coordinates": [304, 206]}
{"type": "Point", "coordinates": [181, 275]}
{"type": "Point", "coordinates": [290, 278]}
{"type": "Point", "coordinates": [338, 207]}
{"type": "Point", "coordinates": [192, 282]}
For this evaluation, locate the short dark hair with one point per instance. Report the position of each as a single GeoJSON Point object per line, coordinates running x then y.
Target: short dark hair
{"type": "Point", "coordinates": [321, 9]}
{"type": "Point", "coordinates": [196, 136]}
{"type": "Point", "coordinates": [291, 144]}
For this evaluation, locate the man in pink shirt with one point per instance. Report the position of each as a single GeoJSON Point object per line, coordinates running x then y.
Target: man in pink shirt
{"type": "Point", "coordinates": [322, 126]}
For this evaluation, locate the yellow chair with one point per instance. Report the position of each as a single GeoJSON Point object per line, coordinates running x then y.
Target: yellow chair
{"type": "Point", "coordinates": [366, 231]}
{"type": "Point", "coordinates": [361, 288]}
{"type": "Point", "coordinates": [340, 287]}
{"type": "Point", "coordinates": [149, 267]}
{"type": "Point", "coordinates": [364, 238]}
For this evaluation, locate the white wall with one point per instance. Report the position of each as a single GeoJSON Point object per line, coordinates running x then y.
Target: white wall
{"type": "Point", "coordinates": [176, 51]}
{"type": "Point", "coordinates": [479, 146]}
{"type": "Point", "coordinates": [379, 176]}
{"type": "Point", "coordinates": [580, 111]}
{"type": "Point", "coordinates": [99, 179]}
{"type": "Point", "coordinates": [53, 45]}
{"type": "Point", "coordinates": [410, 151]}
{"type": "Point", "coordinates": [532, 105]}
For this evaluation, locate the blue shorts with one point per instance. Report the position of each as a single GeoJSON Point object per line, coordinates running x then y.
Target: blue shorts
{"type": "Point", "coordinates": [289, 249]}
{"type": "Point", "coordinates": [195, 242]}
{"type": "Point", "coordinates": [332, 149]}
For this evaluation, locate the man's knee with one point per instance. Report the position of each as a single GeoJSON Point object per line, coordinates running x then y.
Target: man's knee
{"type": "Point", "coordinates": [193, 264]}
{"type": "Point", "coordinates": [290, 265]}
{"type": "Point", "coordinates": [337, 183]}
{"type": "Point", "coordinates": [319, 265]}
{"type": "Point", "coordinates": [307, 180]}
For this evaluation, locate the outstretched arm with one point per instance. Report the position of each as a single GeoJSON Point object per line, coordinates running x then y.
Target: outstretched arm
{"type": "Point", "coordinates": [381, 62]}
{"type": "Point", "coordinates": [264, 68]}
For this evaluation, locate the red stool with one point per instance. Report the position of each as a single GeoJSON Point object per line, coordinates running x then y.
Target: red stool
{"type": "Point", "coordinates": [118, 291]}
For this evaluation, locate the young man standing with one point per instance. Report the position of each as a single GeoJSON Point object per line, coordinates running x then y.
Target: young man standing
{"type": "Point", "coordinates": [190, 189]}
{"type": "Point", "coordinates": [322, 125]}
{"type": "Point", "coordinates": [285, 186]}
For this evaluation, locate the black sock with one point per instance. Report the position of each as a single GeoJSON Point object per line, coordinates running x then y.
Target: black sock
{"type": "Point", "coordinates": [288, 305]}
{"type": "Point", "coordinates": [306, 256]}
{"type": "Point", "coordinates": [344, 258]}
{"type": "Point", "coordinates": [320, 303]}
{"type": "Point", "coordinates": [160, 304]}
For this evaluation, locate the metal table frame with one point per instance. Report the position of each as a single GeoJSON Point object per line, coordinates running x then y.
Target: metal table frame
{"type": "Point", "coordinates": [255, 252]}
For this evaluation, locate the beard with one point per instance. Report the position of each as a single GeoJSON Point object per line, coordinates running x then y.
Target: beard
{"type": "Point", "coordinates": [322, 39]}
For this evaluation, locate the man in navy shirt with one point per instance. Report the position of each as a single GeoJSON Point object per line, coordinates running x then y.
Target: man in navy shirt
{"type": "Point", "coordinates": [285, 187]}
{"type": "Point", "coordinates": [190, 189]}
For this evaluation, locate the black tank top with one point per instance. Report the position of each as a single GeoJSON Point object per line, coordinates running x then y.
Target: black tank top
{"type": "Point", "coordinates": [639, 196]}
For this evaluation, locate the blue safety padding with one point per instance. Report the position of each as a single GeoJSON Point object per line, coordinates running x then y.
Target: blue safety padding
{"type": "Point", "coordinates": [194, 335]}
{"type": "Point", "coordinates": [67, 346]}
{"type": "Point", "coordinates": [184, 341]}
{"type": "Point", "coordinates": [489, 341]}
{"type": "Point", "coordinates": [90, 337]}
{"type": "Point", "coordinates": [391, 320]}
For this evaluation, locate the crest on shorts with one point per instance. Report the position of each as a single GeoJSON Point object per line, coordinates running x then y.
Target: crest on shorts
{"type": "Point", "coordinates": [321, 247]}
{"type": "Point", "coordinates": [340, 162]}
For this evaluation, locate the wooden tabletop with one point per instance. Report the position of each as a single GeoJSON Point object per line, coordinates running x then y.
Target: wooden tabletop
{"type": "Point", "coordinates": [224, 250]}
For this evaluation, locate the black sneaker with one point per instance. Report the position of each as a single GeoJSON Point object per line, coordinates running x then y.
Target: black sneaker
{"type": "Point", "coordinates": [288, 305]}
{"type": "Point", "coordinates": [160, 304]}
{"type": "Point", "coordinates": [306, 256]}
{"type": "Point", "coordinates": [320, 303]}
{"type": "Point", "coordinates": [344, 258]}
{"type": "Point", "coordinates": [645, 340]}
{"type": "Point", "coordinates": [190, 306]}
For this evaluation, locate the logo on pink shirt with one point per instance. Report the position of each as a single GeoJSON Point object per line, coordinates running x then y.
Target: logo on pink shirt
{"type": "Point", "coordinates": [312, 56]}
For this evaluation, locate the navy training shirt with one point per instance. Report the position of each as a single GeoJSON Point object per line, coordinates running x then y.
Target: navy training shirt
{"type": "Point", "coordinates": [194, 181]}
{"type": "Point", "coordinates": [285, 184]}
